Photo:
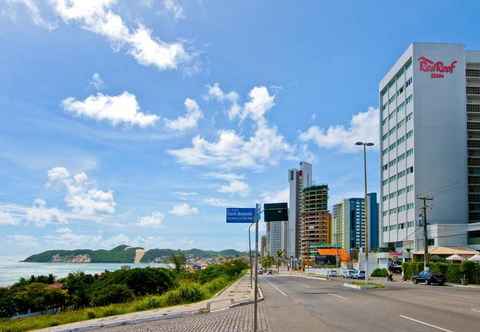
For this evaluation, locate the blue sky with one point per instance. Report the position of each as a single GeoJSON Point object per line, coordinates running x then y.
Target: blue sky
{"type": "Point", "coordinates": [138, 122]}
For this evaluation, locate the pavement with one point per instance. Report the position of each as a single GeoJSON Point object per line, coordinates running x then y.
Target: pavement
{"type": "Point", "coordinates": [238, 294]}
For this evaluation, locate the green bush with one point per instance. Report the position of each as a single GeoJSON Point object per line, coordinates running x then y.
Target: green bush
{"type": "Point", "coordinates": [439, 268]}
{"type": "Point", "coordinates": [471, 270]}
{"type": "Point", "coordinates": [380, 273]}
{"type": "Point", "coordinates": [454, 273]}
{"type": "Point", "coordinates": [150, 303]}
{"type": "Point", "coordinates": [112, 294]}
{"type": "Point", "coordinates": [212, 287]}
{"type": "Point", "coordinates": [91, 314]}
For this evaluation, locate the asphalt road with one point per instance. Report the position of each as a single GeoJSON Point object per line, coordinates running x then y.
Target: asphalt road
{"type": "Point", "coordinates": [299, 304]}
{"type": "Point", "coordinates": [309, 304]}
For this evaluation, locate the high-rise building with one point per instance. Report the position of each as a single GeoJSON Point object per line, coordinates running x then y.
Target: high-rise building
{"type": "Point", "coordinates": [315, 219]}
{"type": "Point", "coordinates": [430, 146]}
{"type": "Point", "coordinates": [297, 179]}
{"type": "Point", "coordinates": [274, 237]}
{"type": "Point", "coordinates": [348, 226]}
{"type": "Point", "coordinates": [263, 246]}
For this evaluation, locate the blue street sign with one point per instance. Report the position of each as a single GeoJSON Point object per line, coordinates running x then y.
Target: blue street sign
{"type": "Point", "coordinates": [241, 215]}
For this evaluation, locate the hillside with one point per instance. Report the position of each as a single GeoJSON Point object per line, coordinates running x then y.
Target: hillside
{"type": "Point", "coordinates": [122, 254]}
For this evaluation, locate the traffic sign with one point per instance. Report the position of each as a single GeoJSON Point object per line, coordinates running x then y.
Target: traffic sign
{"type": "Point", "coordinates": [275, 212]}
{"type": "Point", "coordinates": [241, 215]}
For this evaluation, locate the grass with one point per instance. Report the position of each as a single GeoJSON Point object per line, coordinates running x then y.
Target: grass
{"type": "Point", "coordinates": [368, 284]}
{"type": "Point", "coordinates": [187, 292]}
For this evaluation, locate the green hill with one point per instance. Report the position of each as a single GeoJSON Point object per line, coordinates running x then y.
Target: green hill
{"type": "Point", "coordinates": [120, 254]}
{"type": "Point", "coordinates": [125, 254]}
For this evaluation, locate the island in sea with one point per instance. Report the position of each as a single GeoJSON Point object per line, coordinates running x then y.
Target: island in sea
{"type": "Point", "coordinates": [127, 254]}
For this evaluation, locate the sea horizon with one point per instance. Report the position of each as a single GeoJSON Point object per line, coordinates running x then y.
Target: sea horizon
{"type": "Point", "coordinates": [12, 269]}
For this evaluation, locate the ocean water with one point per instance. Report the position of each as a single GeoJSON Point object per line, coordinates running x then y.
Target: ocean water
{"type": "Point", "coordinates": [12, 270]}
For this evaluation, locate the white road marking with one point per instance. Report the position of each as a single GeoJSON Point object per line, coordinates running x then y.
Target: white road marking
{"type": "Point", "coordinates": [338, 296]}
{"type": "Point", "coordinates": [425, 323]}
{"type": "Point", "coordinates": [475, 310]}
{"type": "Point", "coordinates": [278, 289]}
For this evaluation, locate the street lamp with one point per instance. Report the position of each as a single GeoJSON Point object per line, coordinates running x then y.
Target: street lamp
{"type": "Point", "coordinates": [365, 144]}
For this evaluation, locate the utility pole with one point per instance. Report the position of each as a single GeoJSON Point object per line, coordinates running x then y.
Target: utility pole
{"type": "Point", "coordinates": [250, 254]}
{"type": "Point", "coordinates": [365, 144]}
{"type": "Point", "coordinates": [424, 199]}
{"type": "Point", "coordinates": [255, 309]}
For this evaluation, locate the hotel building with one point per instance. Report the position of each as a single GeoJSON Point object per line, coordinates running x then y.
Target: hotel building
{"type": "Point", "coordinates": [430, 146]}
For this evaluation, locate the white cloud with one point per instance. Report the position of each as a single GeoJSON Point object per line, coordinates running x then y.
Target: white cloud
{"type": "Point", "coordinates": [121, 109]}
{"type": "Point", "coordinates": [33, 11]}
{"type": "Point", "coordinates": [174, 7]}
{"type": "Point", "coordinates": [41, 215]}
{"type": "Point", "coordinates": [97, 82]}
{"type": "Point", "coordinates": [364, 126]}
{"type": "Point", "coordinates": [280, 196]}
{"type": "Point", "coordinates": [155, 219]}
{"type": "Point", "coordinates": [217, 202]}
{"type": "Point", "coordinates": [235, 187]}
{"type": "Point", "coordinates": [82, 196]}
{"type": "Point", "coordinates": [189, 120]}
{"type": "Point", "coordinates": [230, 150]}
{"type": "Point", "coordinates": [215, 92]}
{"type": "Point", "coordinates": [183, 210]}
{"type": "Point", "coordinates": [97, 16]}
{"type": "Point", "coordinates": [7, 219]}
{"type": "Point", "coordinates": [185, 195]}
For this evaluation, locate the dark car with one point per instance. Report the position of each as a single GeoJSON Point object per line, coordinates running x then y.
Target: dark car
{"type": "Point", "coordinates": [360, 275]}
{"type": "Point", "coordinates": [395, 268]}
{"type": "Point", "coordinates": [429, 278]}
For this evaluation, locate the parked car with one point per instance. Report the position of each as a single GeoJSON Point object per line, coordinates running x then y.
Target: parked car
{"type": "Point", "coordinates": [359, 275]}
{"type": "Point", "coordinates": [348, 273]}
{"type": "Point", "coordinates": [332, 274]}
{"type": "Point", "coordinates": [395, 268]}
{"type": "Point", "coordinates": [429, 278]}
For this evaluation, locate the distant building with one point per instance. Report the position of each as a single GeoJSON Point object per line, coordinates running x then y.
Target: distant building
{"type": "Point", "coordinates": [315, 219]}
{"type": "Point", "coordinates": [274, 237]}
{"type": "Point", "coordinates": [263, 246]}
{"type": "Point", "coordinates": [297, 179]}
{"type": "Point", "coordinates": [348, 227]}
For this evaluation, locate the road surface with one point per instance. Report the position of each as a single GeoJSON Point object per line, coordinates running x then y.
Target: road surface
{"type": "Point", "coordinates": [300, 304]}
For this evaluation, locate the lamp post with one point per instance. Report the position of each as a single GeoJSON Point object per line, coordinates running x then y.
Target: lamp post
{"type": "Point", "coordinates": [365, 144]}
{"type": "Point", "coordinates": [250, 253]}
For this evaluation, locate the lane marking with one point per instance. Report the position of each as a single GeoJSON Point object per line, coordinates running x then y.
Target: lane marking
{"type": "Point", "coordinates": [278, 289]}
{"type": "Point", "coordinates": [425, 323]}
{"type": "Point", "coordinates": [475, 310]}
{"type": "Point", "coordinates": [338, 296]}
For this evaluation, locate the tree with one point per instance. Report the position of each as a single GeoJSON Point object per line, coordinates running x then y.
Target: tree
{"type": "Point", "coordinates": [280, 255]}
{"type": "Point", "coordinates": [112, 294]}
{"type": "Point", "coordinates": [267, 262]}
{"type": "Point", "coordinates": [179, 260]}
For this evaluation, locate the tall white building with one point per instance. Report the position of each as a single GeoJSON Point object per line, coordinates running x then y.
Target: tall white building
{"type": "Point", "coordinates": [297, 179]}
{"type": "Point", "coordinates": [426, 101]}
{"type": "Point", "coordinates": [274, 237]}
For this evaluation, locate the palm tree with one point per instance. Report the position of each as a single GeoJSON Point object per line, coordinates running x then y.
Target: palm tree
{"type": "Point", "coordinates": [280, 255]}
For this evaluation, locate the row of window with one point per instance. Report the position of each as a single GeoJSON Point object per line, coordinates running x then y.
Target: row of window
{"type": "Point", "coordinates": [398, 127]}
{"type": "Point", "coordinates": [399, 109]}
{"type": "Point", "coordinates": [398, 142]}
{"type": "Point", "coordinates": [399, 192]}
{"type": "Point", "coordinates": [398, 176]}
{"type": "Point", "coordinates": [390, 84]}
{"type": "Point", "coordinates": [473, 107]}
{"type": "Point", "coordinates": [473, 90]}
{"type": "Point", "coordinates": [399, 226]}
{"type": "Point", "coordinates": [473, 73]}
{"type": "Point", "coordinates": [399, 209]}
{"type": "Point", "coordinates": [400, 157]}
{"type": "Point", "coordinates": [398, 93]}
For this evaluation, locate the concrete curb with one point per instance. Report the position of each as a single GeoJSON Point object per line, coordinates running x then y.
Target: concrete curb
{"type": "Point", "coordinates": [347, 285]}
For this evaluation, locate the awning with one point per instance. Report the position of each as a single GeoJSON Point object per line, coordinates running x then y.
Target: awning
{"type": "Point", "coordinates": [448, 251]}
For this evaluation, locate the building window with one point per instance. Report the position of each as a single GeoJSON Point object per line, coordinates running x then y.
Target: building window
{"type": "Point", "coordinates": [409, 117]}
{"type": "Point", "coordinates": [408, 82]}
{"type": "Point", "coordinates": [410, 133]}
{"type": "Point", "coordinates": [473, 90]}
{"type": "Point", "coordinates": [410, 206]}
{"type": "Point", "coordinates": [473, 107]}
{"type": "Point", "coordinates": [409, 152]}
{"type": "Point", "coordinates": [410, 170]}
{"type": "Point", "coordinates": [473, 73]}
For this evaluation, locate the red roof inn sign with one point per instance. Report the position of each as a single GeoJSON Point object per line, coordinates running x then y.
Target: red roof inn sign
{"type": "Point", "coordinates": [437, 68]}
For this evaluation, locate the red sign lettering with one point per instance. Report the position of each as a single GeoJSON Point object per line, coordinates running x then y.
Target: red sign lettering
{"type": "Point", "coordinates": [437, 69]}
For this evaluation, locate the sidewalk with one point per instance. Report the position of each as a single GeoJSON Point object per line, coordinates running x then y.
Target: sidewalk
{"type": "Point", "coordinates": [237, 294]}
